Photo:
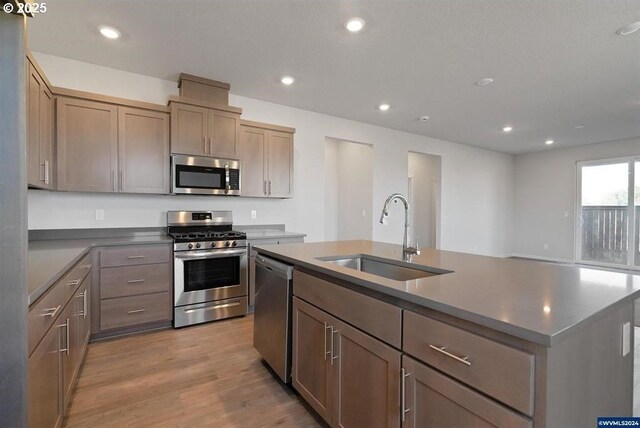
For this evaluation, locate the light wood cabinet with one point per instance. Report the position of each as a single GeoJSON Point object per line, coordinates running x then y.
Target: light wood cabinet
{"type": "Point", "coordinates": [434, 400]}
{"type": "Point", "coordinates": [39, 130]}
{"type": "Point", "coordinates": [87, 144]}
{"type": "Point", "coordinates": [104, 147]}
{"type": "Point", "coordinates": [55, 362]}
{"type": "Point", "coordinates": [143, 151]}
{"type": "Point", "coordinates": [45, 407]}
{"type": "Point", "coordinates": [348, 377]}
{"type": "Point", "coordinates": [266, 152]}
{"type": "Point", "coordinates": [201, 130]}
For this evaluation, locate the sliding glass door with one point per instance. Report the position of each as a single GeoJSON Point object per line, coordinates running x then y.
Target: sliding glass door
{"type": "Point", "coordinates": [607, 223]}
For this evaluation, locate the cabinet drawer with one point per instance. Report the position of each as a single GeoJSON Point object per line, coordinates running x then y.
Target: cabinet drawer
{"type": "Point", "coordinates": [377, 318]}
{"type": "Point", "coordinates": [134, 310]}
{"type": "Point", "coordinates": [72, 279]}
{"type": "Point", "coordinates": [132, 255]}
{"type": "Point", "coordinates": [502, 372]}
{"type": "Point", "coordinates": [43, 314]}
{"type": "Point", "coordinates": [134, 280]}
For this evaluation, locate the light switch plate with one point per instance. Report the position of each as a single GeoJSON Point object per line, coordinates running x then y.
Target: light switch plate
{"type": "Point", "coordinates": [626, 338]}
{"type": "Point", "coordinates": [99, 214]}
{"type": "Point", "coordinates": [254, 214]}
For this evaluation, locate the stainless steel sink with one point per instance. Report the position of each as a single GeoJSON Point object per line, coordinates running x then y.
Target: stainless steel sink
{"type": "Point", "coordinates": [391, 269]}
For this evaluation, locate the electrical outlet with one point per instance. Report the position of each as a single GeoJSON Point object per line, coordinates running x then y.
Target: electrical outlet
{"type": "Point", "coordinates": [100, 215]}
{"type": "Point", "coordinates": [254, 214]}
{"type": "Point", "coordinates": [566, 213]}
{"type": "Point", "coordinates": [545, 246]}
{"type": "Point", "coordinates": [364, 213]}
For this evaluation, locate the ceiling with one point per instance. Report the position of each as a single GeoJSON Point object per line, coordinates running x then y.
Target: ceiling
{"type": "Point", "coordinates": [556, 64]}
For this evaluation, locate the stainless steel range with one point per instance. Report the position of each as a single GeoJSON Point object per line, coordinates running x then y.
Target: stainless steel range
{"type": "Point", "coordinates": [210, 267]}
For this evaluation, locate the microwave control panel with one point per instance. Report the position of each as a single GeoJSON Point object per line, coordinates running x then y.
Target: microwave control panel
{"type": "Point", "coordinates": [234, 179]}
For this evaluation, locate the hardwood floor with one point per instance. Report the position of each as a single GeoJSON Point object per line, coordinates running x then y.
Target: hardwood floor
{"type": "Point", "coordinates": [206, 375]}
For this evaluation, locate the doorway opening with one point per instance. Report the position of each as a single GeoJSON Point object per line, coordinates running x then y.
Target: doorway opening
{"type": "Point", "coordinates": [348, 190]}
{"type": "Point", "coordinates": [424, 198]}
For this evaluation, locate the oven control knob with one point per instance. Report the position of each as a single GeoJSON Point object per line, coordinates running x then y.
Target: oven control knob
{"type": "Point", "coordinates": [213, 245]}
{"type": "Point", "coordinates": [234, 243]}
{"type": "Point", "coordinates": [198, 245]}
{"type": "Point", "coordinates": [190, 246]}
{"type": "Point", "coordinates": [227, 243]}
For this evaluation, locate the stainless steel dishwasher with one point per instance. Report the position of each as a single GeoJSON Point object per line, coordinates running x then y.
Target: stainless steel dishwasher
{"type": "Point", "coordinates": [272, 316]}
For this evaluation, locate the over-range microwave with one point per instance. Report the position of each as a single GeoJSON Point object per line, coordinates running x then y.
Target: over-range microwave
{"type": "Point", "coordinates": [199, 175]}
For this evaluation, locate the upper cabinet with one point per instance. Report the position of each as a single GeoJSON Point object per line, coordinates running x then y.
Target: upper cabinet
{"type": "Point", "coordinates": [266, 152]}
{"type": "Point", "coordinates": [39, 128]}
{"type": "Point", "coordinates": [201, 128]}
{"type": "Point", "coordinates": [106, 147]}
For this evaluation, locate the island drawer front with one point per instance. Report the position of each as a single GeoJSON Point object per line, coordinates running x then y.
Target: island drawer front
{"type": "Point", "coordinates": [135, 310]}
{"type": "Point", "coordinates": [73, 278]}
{"type": "Point", "coordinates": [43, 314]}
{"type": "Point", "coordinates": [132, 255]}
{"type": "Point", "coordinates": [135, 280]}
{"type": "Point", "coordinates": [505, 373]}
{"type": "Point", "coordinates": [379, 319]}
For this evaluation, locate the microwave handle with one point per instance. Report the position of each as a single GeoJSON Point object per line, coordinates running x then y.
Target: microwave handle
{"type": "Point", "coordinates": [227, 186]}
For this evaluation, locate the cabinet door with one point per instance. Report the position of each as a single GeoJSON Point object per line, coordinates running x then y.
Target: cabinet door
{"type": "Point", "coordinates": [87, 145]}
{"type": "Point", "coordinates": [311, 370]}
{"type": "Point", "coordinates": [367, 380]}
{"type": "Point", "coordinates": [252, 150]}
{"type": "Point", "coordinates": [35, 88]}
{"type": "Point", "coordinates": [280, 164]}
{"type": "Point", "coordinates": [189, 130]}
{"type": "Point", "coordinates": [84, 319]}
{"type": "Point", "coordinates": [45, 407]}
{"type": "Point", "coordinates": [223, 133]}
{"type": "Point", "coordinates": [143, 151]}
{"type": "Point", "coordinates": [69, 349]}
{"type": "Point", "coordinates": [435, 400]}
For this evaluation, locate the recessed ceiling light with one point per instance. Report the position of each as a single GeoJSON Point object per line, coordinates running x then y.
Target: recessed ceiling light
{"type": "Point", "coordinates": [424, 118]}
{"type": "Point", "coordinates": [579, 126]}
{"type": "Point", "coordinates": [485, 81]}
{"type": "Point", "coordinates": [549, 142]}
{"type": "Point", "coordinates": [287, 80]}
{"type": "Point", "coordinates": [507, 129]}
{"type": "Point", "coordinates": [628, 29]}
{"type": "Point", "coordinates": [355, 25]}
{"type": "Point", "coordinates": [384, 107]}
{"type": "Point", "coordinates": [109, 32]}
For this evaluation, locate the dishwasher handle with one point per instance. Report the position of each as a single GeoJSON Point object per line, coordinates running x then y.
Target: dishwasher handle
{"type": "Point", "coordinates": [278, 268]}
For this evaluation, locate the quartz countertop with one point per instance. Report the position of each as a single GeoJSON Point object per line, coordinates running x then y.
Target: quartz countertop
{"type": "Point", "coordinates": [48, 260]}
{"type": "Point", "coordinates": [267, 231]}
{"type": "Point", "coordinates": [538, 302]}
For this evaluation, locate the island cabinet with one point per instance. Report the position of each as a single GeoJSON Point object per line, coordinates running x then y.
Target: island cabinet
{"type": "Point", "coordinates": [201, 128]}
{"type": "Point", "coordinates": [39, 128]}
{"type": "Point", "coordinates": [58, 336]}
{"type": "Point", "coordinates": [104, 146]}
{"type": "Point", "coordinates": [266, 152]}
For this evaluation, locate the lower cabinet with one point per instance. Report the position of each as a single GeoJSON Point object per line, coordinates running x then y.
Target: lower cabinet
{"type": "Point", "coordinates": [432, 399]}
{"type": "Point", "coordinates": [56, 360]}
{"type": "Point", "coordinates": [351, 379]}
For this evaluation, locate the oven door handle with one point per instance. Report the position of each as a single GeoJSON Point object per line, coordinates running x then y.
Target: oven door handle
{"type": "Point", "coordinates": [213, 254]}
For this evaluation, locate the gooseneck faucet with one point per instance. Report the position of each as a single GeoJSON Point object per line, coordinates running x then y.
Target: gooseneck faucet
{"type": "Point", "coordinates": [407, 251]}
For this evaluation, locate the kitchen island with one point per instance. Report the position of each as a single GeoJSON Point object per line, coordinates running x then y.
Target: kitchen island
{"type": "Point", "coordinates": [474, 340]}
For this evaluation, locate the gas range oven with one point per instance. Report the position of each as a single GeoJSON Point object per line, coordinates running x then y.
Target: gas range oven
{"type": "Point", "coordinates": [210, 267]}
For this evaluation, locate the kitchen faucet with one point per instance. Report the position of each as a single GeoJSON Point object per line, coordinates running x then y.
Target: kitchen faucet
{"type": "Point", "coordinates": [407, 251]}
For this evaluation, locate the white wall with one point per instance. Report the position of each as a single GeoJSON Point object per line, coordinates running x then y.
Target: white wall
{"type": "Point", "coordinates": [331, 193]}
{"type": "Point", "coordinates": [473, 180]}
{"type": "Point", "coordinates": [545, 201]}
{"type": "Point", "coordinates": [425, 173]}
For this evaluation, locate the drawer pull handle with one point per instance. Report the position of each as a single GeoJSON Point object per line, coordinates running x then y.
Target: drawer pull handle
{"type": "Point", "coordinates": [135, 281]}
{"type": "Point", "coordinates": [463, 360]}
{"type": "Point", "coordinates": [74, 282]}
{"type": "Point", "coordinates": [51, 312]}
{"type": "Point", "coordinates": [137, 311]}
{"type": "Point", "coordinates": [136, 257]}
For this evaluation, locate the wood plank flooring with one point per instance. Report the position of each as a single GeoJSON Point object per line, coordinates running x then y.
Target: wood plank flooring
{"type": "Point", "coordinates": [203, 376]}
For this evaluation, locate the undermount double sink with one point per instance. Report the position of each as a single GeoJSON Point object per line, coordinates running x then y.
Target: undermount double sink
{"type": "Point", "coordinates": [386, 268]}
